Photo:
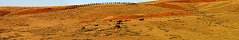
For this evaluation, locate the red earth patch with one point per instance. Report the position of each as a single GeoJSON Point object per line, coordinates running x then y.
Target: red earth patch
{"type": "Point", "coordinates": [86, 21]}
{"type": "Point", "coordinates": [207, 0]}
{"type": "Point", "coordinates": [194, 1]}
{"type": "Point", "coordinates": [3, 12]}
{"type": "Point", "coordinates": [184, 1]}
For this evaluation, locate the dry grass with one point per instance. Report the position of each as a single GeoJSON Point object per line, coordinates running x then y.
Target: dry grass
{"type": "Point", "coordinates": [159, 20]}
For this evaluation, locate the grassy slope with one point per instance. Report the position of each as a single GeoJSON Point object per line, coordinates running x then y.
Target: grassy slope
{"type": "Point", "coordinates": [163, 20]}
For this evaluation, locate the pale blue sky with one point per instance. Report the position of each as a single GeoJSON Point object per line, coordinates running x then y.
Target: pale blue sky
{"type": "Point", "coordinates": [56, 2]}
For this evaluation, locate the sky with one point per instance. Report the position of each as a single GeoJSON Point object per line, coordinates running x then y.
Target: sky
{"type": "Point", "coordinates": [57, 2]}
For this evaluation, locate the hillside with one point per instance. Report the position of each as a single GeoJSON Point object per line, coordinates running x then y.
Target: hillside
{"type": "Point", "coordinates": [156, 20]}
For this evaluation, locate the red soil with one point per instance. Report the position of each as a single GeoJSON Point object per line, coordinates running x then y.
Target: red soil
{"type": "Point", "coordinates": [86, 21]}
{"type": "Point", "coordinates": [169, 6]}
{"type": "Point", "coordinates": [2, 12]}
{"type": "Point", "coordinates": [207, 0]}
{"type": "Point", "coordinates": [184, 1]}
{"type": "Point", "coordinates": [194, 1]}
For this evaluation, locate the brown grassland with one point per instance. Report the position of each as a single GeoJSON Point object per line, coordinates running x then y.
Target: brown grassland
{"type": "Point", "coordinates": [156, 20]}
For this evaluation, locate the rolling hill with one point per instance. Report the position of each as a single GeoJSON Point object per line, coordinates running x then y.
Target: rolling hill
{"type": "Point", "coordinates": [156, 20]}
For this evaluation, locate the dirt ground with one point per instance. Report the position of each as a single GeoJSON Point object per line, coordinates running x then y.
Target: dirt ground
{"type": "Point", "coordinates": [156, 20]}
